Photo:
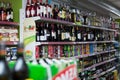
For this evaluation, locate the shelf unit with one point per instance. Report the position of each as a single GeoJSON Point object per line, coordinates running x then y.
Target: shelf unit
{"type": "Point", "coordinates": [7, 23]}
{"type": "Point", "coordinates": [39, 19]}
{"type": "Point", "coordinates": [11, 24]}
{"type": "Point", "coordinates": [31, 43]}
{"type": "Point", "coordinates": [72, 43]}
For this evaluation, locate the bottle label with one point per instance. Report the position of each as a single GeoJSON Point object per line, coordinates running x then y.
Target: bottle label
{"type": "Point", "coordinates": [38, 38]}
{"type": "Point", "coordinates": [58, 31]}
{"type": "Point", "coordinates": [48, 34]}
{"type": "Point", "coordinates": [63, 36]}
{"type": "Point", "coordinates": [38, 11]}
{"type": "Point", "coordinates": [43, 38]}
{"type": "Point", "coordinates": [49, 9]}
{"type": "Point", "coordinates": [32, 12]}
{"type": "Point", "coordinates": [79, 35]}
{"type": "Point", "coordinates": [45, 31]}
{"type": "Point", "coordinates": [67, 35]}
{"type": "Point", "coordinates": [28, 13]}
{"type": "Point", "coordinates": [54, 34]}
{"type": "Point", "coordinates": [88, 36]}
{"type": "Point", "coordinates": [84, 38]}
{"type": "Point", "coordinates": [8, 16]}
{"type": "Point", "coordinates": [45, 10]}
{"type": "Point", "coordinates": [96, 38]}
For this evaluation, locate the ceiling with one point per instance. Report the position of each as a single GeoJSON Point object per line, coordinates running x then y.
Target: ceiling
{"type": "Point", "coordinates": [104, 7]}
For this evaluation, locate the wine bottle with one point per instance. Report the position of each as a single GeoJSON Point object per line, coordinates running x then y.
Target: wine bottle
{"type": "Point", "coordinates": [4, 69]}
{"type": "Point", "coordinates": [28, 7]}
{"type": "Point", "coordinates": [53, 32]}
{"type": "Point", "coordinates": [33, 9]}
{"type": "Point", "coordinates": [58, 32]}
{"type": "Point", "coordinates": [88, 35]}
{"type": "Point", "coordinates": [9, 12]}
{"type": "Point", "coordinates": [85, 19]}
{"type": "Point", "coordinates": [48, 31]}
{"type": "Point", "coordinates": [62, 33]}
{"type": "Point", "coordinates": [55, 12]}
{"type": "Point", "coordinates": [3, 12]}
{"type": "Point", "coordinates": [42, 32]}
{"type": "Point", "coordinates": [37, 32]}
{"type": "Point", "coordinates": [38, 8]}
{"type": "Point", "coordinates": [73, 15]}
{"type": "Point", "coordinates": [41, 9]}
{"type": "Point", "coordinates": [78, 34]}
{"type": "Point", "coordinates": [20, 70]}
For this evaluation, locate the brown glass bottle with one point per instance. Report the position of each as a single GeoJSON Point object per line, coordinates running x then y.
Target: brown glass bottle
{"type": "Point", "coordinates": [20, 70]}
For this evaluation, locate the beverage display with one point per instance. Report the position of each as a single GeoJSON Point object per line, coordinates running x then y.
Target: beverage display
{"type": "Point", "coordinates": [63, 31]}
{"type": "Point", "coordinates": [56, 32]}
{"type": "Point", "coordinates": [65, 12]}
{"type": "Point", "coordinates": [8, 33]}
{"type": "Point", "coordinates": [6, 12]}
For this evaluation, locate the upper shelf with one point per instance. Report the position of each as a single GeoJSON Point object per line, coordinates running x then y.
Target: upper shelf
{"type": "Point", "coordinates": [7, 23]}
{"type": "Point", "coordinates": [71, 43]}
{"type": "Point", "coordinates": [37, 19]}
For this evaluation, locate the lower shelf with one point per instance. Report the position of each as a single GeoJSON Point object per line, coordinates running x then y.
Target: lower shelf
{"type": "Point", "coordinates": [97, 64]}
{"type": "Point", "coordinates": [103, 73]}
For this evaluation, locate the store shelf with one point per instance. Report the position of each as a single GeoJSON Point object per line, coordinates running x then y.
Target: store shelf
{"type": "Point", "coordinates": [98, 64]}
{"type": "Point", "coordinates": [37, 19]}
{"type": "Point", "coordinates": [96, 53]}
{"type": "Point", "coordinates": [70, 43]}
{"type": "Point", "coordinates": [11, 42]}
{"type": "Point", "coordinates": [95, 27]}
{"type": "Point", "coordinates": [103, 73]}
{"type": "Point", "coordinates": [7, 23]}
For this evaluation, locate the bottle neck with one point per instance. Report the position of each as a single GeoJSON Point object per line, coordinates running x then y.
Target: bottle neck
{"type": "Point", "coordinates": [2, 54]}
{"type": "Point", "coordinates": [2, 57]}
{"type": "Point", "coordinates": [20, 52]}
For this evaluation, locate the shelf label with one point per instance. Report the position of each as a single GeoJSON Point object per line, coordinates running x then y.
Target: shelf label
{"type": "Point", "coordinates": [69, 73]}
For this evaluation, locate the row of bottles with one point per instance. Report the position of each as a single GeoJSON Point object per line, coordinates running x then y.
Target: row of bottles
{"type": "Point", "coordinates": [54, 51]}
{"type": "Point", "coordinates": [90, 74]}
{"type": "Point", "coordinates": [89, 61]}
{"type": "Point", "coordinates": [62, 11]}
{"type": "Point", "coordinates": [57, 32]}
{"type": "Point", "coordinates": [8, 33]}
{"type": "Point", "coordinates": [38, 8]}
{"type": "Point", "coordinates": [6, 11]}
{"type": "Point", "coordinates": [20, 68]}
